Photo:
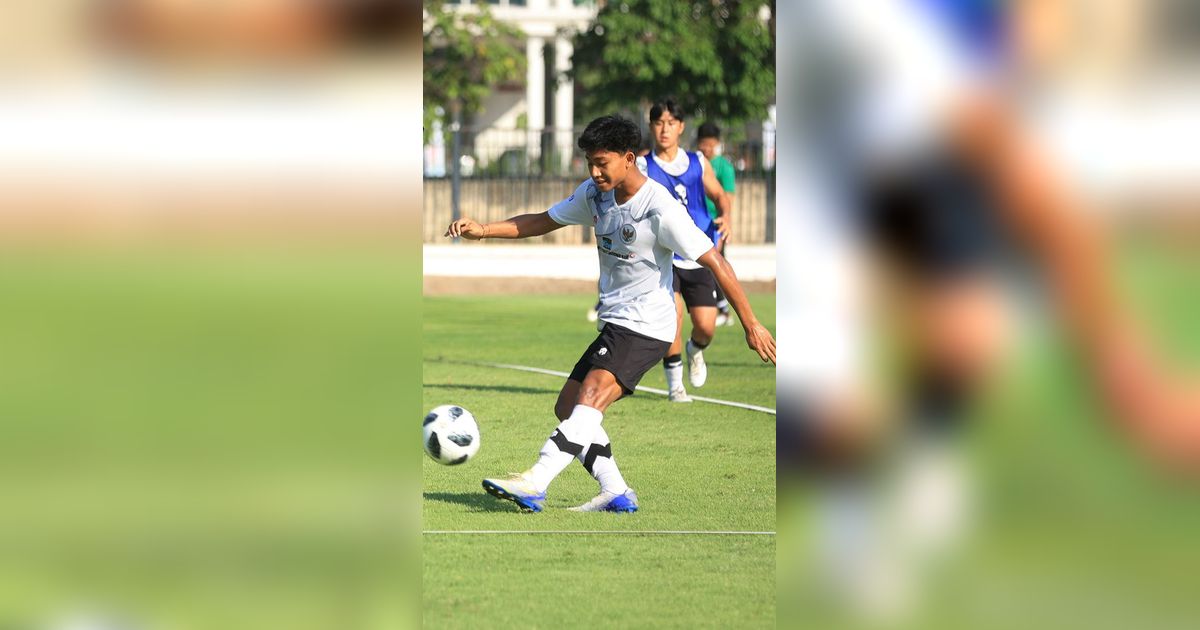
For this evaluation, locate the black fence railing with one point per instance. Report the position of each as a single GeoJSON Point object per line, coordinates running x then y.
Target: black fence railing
{"type": "Point", "coordinates": [552, 153]}
{"type": "Point", "coordinates": [513, 171]}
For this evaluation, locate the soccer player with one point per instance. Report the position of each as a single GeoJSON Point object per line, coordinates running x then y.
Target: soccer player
{"type": "Point", "coordinates": [919, 154]}
{"type": "Point", "coordinates": [638, 226]}
{"type": "Point", "coordinates": [708, 140]}
{"type": "Point", "coordinates": [689, 177]}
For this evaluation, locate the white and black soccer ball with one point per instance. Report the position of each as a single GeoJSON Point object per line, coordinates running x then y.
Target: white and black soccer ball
{"type": "Point", "coordinates": [451, 435]}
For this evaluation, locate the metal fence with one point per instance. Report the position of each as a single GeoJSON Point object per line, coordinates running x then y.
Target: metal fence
{"type": "Point", "coordinates": [502, 173]}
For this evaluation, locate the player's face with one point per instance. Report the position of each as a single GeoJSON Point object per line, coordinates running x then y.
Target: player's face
{"type": "Point", "coordinates": [609, 168]}
{"type": "Point", "coordinates": [666, 130]}
{"type": "Point", "coordinates": [707, 146]}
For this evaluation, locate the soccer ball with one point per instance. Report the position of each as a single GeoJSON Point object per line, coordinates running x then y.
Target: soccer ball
{"type": "Point", "coordinates": [451, 435]}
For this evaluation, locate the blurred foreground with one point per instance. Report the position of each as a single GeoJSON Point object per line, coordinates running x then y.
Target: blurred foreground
{"type": "Point", "coordinates": [210, 253]}
{"type": "Point", "coordinates": [989, 413]}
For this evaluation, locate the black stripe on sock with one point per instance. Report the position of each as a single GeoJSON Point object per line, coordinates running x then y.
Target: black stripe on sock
{"type": "Point", "coordinates": [564, 444]}
{"type": "Point", "coordinates": [596, 451]}
{"type": "Point", "coordinates": [675, 360]}
{"type": "Point", "coordinates": [699, 346]}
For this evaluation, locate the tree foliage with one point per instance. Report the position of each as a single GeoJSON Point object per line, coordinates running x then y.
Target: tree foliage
{"type": "Point", "coordinates": [466, 53]}
{"type": "Point", "coordinates": [714, 57]}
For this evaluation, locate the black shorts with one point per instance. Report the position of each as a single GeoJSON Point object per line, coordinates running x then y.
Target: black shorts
{"type": "Point", "coordinates": [935, 217]}
{"type": "Point", "coordinates": [697, 286]}
{"type": "Point", "coordinates": [625, 353]}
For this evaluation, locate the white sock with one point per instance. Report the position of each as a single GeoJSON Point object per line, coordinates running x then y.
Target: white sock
{"type": "Point", "coordinates": [602, 465]}
{"type": "Point", "coordinates": [568, 441]}
{"type": "Point", "coordinates": [674, 374]}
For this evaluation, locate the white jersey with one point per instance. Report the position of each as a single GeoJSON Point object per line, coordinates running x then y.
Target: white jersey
{"type": "Point", "coordinates": [877, 81]}
{"type": "Point", "coordinates": [677, 167]}
{"type": "Point", "coordinates": [635, 241]}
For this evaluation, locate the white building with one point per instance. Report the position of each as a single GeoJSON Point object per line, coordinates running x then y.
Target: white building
{"type": "Point", "coordinates": [514, 117]}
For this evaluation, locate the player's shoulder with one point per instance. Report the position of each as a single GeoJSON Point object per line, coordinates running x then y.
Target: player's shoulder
{"type": "Point", "coordinates": [655, 189]}
{"type": "Point", "coordinates": [585, 192]}
{"type": "Point", "coordinates": [586, 188]}
{"type": "Point", "coordinates": [658, 199]}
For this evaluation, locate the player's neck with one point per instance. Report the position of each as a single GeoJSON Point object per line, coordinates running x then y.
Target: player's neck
{"type": "Point", "coordinates": [667, 154]}
{"type": "Point", "coordinates": [629, 186]}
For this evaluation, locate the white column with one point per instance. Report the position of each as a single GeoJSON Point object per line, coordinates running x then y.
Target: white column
{"type": "Point", "coordinates": [535, 92]}
{"type": "Point", "coordinates": [564, 100]}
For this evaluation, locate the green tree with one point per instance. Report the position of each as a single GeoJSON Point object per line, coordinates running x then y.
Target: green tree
{"type": "Point", "coordinates": [714, 57]}
{"type": "Point", "coordinates": [466, 53]}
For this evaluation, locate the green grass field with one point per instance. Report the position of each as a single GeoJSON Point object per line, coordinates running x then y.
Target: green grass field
{"type": "Point", "coordinates": [227, 440]}
{"type": "Point", "coordinates": [1077, 529]}
{"type": "Point", "coordinates": [695, 467]}
{"type": "Point", "coordinates": [207, 439]}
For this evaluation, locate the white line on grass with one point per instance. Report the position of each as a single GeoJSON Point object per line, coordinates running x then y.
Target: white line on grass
{"type": "Point", "coordinates": [640, 388]}
{"type": "Point", "coordinates": [642, 532]}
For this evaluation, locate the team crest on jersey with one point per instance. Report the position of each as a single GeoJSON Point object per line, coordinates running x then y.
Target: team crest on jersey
{"type": "Point", "coordinates": [628, 233]}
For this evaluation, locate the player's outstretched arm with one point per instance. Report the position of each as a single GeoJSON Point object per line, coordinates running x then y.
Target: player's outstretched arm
{"type": "Point", "coordinates": [521, 226]}
{"type": "Point", "coordinates": [757, 336]}
{"type": "Point", "coordinates": [1161, 410]}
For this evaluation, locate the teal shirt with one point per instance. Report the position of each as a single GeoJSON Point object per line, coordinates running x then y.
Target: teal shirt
{"type": "Point", "coordinates": [724, 172]}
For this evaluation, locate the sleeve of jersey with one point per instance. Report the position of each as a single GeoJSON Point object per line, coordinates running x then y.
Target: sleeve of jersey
{"type": "Point", "coordinates": [677, 231]}
{"type": "Point", "coordinates": [574, 210]}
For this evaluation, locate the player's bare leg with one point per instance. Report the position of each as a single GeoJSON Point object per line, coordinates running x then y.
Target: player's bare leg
{"type": "Point", "coordinates": [566, 399]}
{"type": "Point", "coordinates": [958, 333]}
{"type": "Point", "coordinates": [704, 324]}
{"type": "Point", "coordinates": [575, 437]}
{"type": "Point", "coordinates": [598, 390]}
{"type": "Point", "coordinates": [673, 362]}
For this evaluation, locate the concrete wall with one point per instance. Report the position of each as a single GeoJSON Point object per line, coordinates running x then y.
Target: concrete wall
{"type": "Point", "coordinates": [495, 199]}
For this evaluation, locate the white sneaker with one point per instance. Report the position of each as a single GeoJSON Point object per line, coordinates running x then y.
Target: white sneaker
{"type": "Point", "coordinates": [722, 318]}
{"type": "Point", "coordinates": [517, 488]}
{"type": "Point", "coordinates": [610, 502]}
{"type": "Point", "coordinates": [679, 394]}
{"type": "Point", "coordinates": [697, 370]}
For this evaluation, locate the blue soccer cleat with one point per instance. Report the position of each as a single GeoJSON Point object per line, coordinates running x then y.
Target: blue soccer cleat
{"type": "Point", "coordinates": [610, 502]}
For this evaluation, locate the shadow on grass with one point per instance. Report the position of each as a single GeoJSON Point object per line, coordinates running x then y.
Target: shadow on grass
{"type": "Point", "coordinates": [477, 501]}
{"type": "Point", "coordinates": [508, 389]}
{"type": "Point", "coordinates": [734, 365]}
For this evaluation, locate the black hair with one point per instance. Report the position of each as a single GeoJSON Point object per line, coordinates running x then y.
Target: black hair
{"type": "Point", "coordinates": [610, 133]}
{"type": "Point", "coordinates": [665, 105]}
{"type": "Point", "coordinates": [708, 130]}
